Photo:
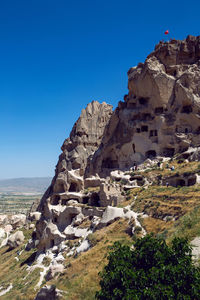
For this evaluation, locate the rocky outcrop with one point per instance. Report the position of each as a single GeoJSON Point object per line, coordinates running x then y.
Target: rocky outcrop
{"type": "Point", "coordinates": [161, 113]}
{"type": "Point", "coordinates": [84, 140]}
{"type": "Point", "coordinates": [15, 239]}
{"type": "Point", "coordinates": [159, 117]}
{"type": "Point", "coordinates": [16, 221]}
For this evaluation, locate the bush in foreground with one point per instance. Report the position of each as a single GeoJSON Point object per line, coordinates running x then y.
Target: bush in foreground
{"type": "Point", "coordinates": [152, 270]}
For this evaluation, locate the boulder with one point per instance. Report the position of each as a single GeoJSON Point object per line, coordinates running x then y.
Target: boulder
{"type": "Point", "coordinates": [54, 270]}
{"type": "Point", "coordinates": [17, 220]}
{"type": "Point", "coordinates": [48, 292]}
{"type": "Point", "coordinates": [34, 216]}
{"type": "Point", "coordinates": [15, 240]}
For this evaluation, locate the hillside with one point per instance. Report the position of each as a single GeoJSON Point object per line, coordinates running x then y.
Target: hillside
{"type": "Point", "coordinates": [121, 174]}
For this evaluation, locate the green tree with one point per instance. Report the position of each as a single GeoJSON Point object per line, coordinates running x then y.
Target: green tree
{"type": "Point", "coordinates": [152, 270]}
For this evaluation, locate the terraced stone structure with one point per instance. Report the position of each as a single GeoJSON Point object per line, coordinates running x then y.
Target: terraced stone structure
{"type": "Point", "coordinates": [160, 116]}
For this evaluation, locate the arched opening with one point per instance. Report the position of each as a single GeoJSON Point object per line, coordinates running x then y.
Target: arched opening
{"type": "Point", "coordinates": [143, 101]}
{"type": "Point", "coordinates": [109, 163]}
{"type": "Point", "coordinates": [73, 187]}
{"type": "Point", "coordinates": [133, 145]}
{"type": "Point", "coordinates": [138, 130]}
{"type": "Point", "coordinates": [186, 130]}
{"type": "Point", "coordinates": [151, 154]}
{"type": "Point", "coordinates": [86, 200]}
{"type": "Point", "coordinates": [94, 201]}
{"type": "Point", "coordinates": [144, 128]}
{"type": "Point", "coordinates": [55, 199]}
{"type": "Point", "coordinates": [64, 202]}
{"type": "Point", "coordinates": [180, 182]}
{"type": "Point", "coordinates": [192, 181]}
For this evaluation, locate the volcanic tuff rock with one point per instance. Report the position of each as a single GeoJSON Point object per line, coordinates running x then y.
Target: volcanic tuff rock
{"type": "Point", "coordinates": [160, 116]}
{"type": "Point", "coordinates": [161, 113]}
{"type": "Point", "coordinates": [84, 140]}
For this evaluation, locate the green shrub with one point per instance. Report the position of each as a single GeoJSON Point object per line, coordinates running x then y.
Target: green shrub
{"type": "Point", "coordinates": [152, 270]}
{"type": "Point", "coordinates": [92, 239]}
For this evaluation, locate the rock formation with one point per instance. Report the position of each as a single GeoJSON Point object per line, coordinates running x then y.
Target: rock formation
{"type": "Point", "coordinates": [84, 140]}
{"type": "Point", "coordinates": [159, 117]}
{"type": "Point", "coordinates": [161, 113]}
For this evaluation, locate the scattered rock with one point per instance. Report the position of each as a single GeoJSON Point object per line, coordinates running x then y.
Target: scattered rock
{"type": "Point", "coordinates": [34, 216]}
{"type": "Point", "coordinates": [15, 240]}
{"type": "Point", "coordinates": [17, 220]}
{"type": "Point", "coordinates": [31, 226]}
{"type": "Point", "coordinates": [54, 270]}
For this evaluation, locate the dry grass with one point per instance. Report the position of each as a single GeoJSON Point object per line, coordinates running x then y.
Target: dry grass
{"type": "Point", "coordinates": [156, 225]}
{"type": "Point", "coordinates": [15, 272]}
{"type": "Point", "coordinates": [159, 202]}
{"type": "Point", "coordinates": [81, 279]}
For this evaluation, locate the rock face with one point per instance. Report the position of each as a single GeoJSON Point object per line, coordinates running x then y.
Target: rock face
{"type": "Point", "coordinates": [160, 116]}
{"type": "Point", "coordinates": [84, 140]}
{"type": "Point", "coordinates": [68, 183]}
{"type": "Point", "coordinates": [161, 113]}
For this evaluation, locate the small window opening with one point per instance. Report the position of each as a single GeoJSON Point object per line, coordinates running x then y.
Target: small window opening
{"type": "Point", "coordinates": [143, 101]}
{"type": "Point", "coordinates": [144, 128]}
{"type": "Point", "coordinates": [138, 130]}
{"type": "Point", "coordinates": [187, 109]}
{"type": "Point", "coordinates": [73, 187]}
{"type": "Point", "coordinates": [151, 154]}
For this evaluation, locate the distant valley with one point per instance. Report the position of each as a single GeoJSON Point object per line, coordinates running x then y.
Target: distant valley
{"type": "Point", "coordinates": [32, 185]}
{"type": "Point", "coordinates": [18, 194]}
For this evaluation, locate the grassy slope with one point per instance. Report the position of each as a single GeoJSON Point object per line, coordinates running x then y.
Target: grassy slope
{"type": "Point", "coordinates": [15, 272]}
{"type": "Point", "coordinates": [80, 279]}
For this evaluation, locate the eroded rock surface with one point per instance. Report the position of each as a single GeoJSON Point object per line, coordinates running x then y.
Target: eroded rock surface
{"type": "Point", "coordinates": [159, 117]}
{"type": "Point", "coordinates": [160, 114]}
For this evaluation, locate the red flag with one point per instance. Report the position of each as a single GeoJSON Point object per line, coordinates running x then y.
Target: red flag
{"type": "Point", "coordinates": [167, 32]}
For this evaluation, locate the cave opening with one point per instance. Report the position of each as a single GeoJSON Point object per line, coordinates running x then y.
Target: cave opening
{"type": "Point", "coordinates": [180, 182]}
{"type": "Point", "coordinates": [186, 109]}
{"type": "Point", "coordinates": [86, 200]}
{"type": "Point", "coordinates": [143, 101]}
{"type": "Point", "coordinates": [144, 128]}
{"type": "Point", "coordinates": [159, 110]}
{"type": "Point", "coordinates": [109, 163]}
{"type": "Point", "coordinates": [94, 201]}
{"type": "Point", "coordinates": [151, 154]}
{"type": "Point", "coordinates": [192, 181]}
{"type": "Point", "coordinates": [55, 200]}
{"type": "Point", "coordinates": [73, 187]}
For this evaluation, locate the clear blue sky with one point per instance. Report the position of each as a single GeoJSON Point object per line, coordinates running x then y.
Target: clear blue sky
{"type": "Point", "coordinates": [56, 56]}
